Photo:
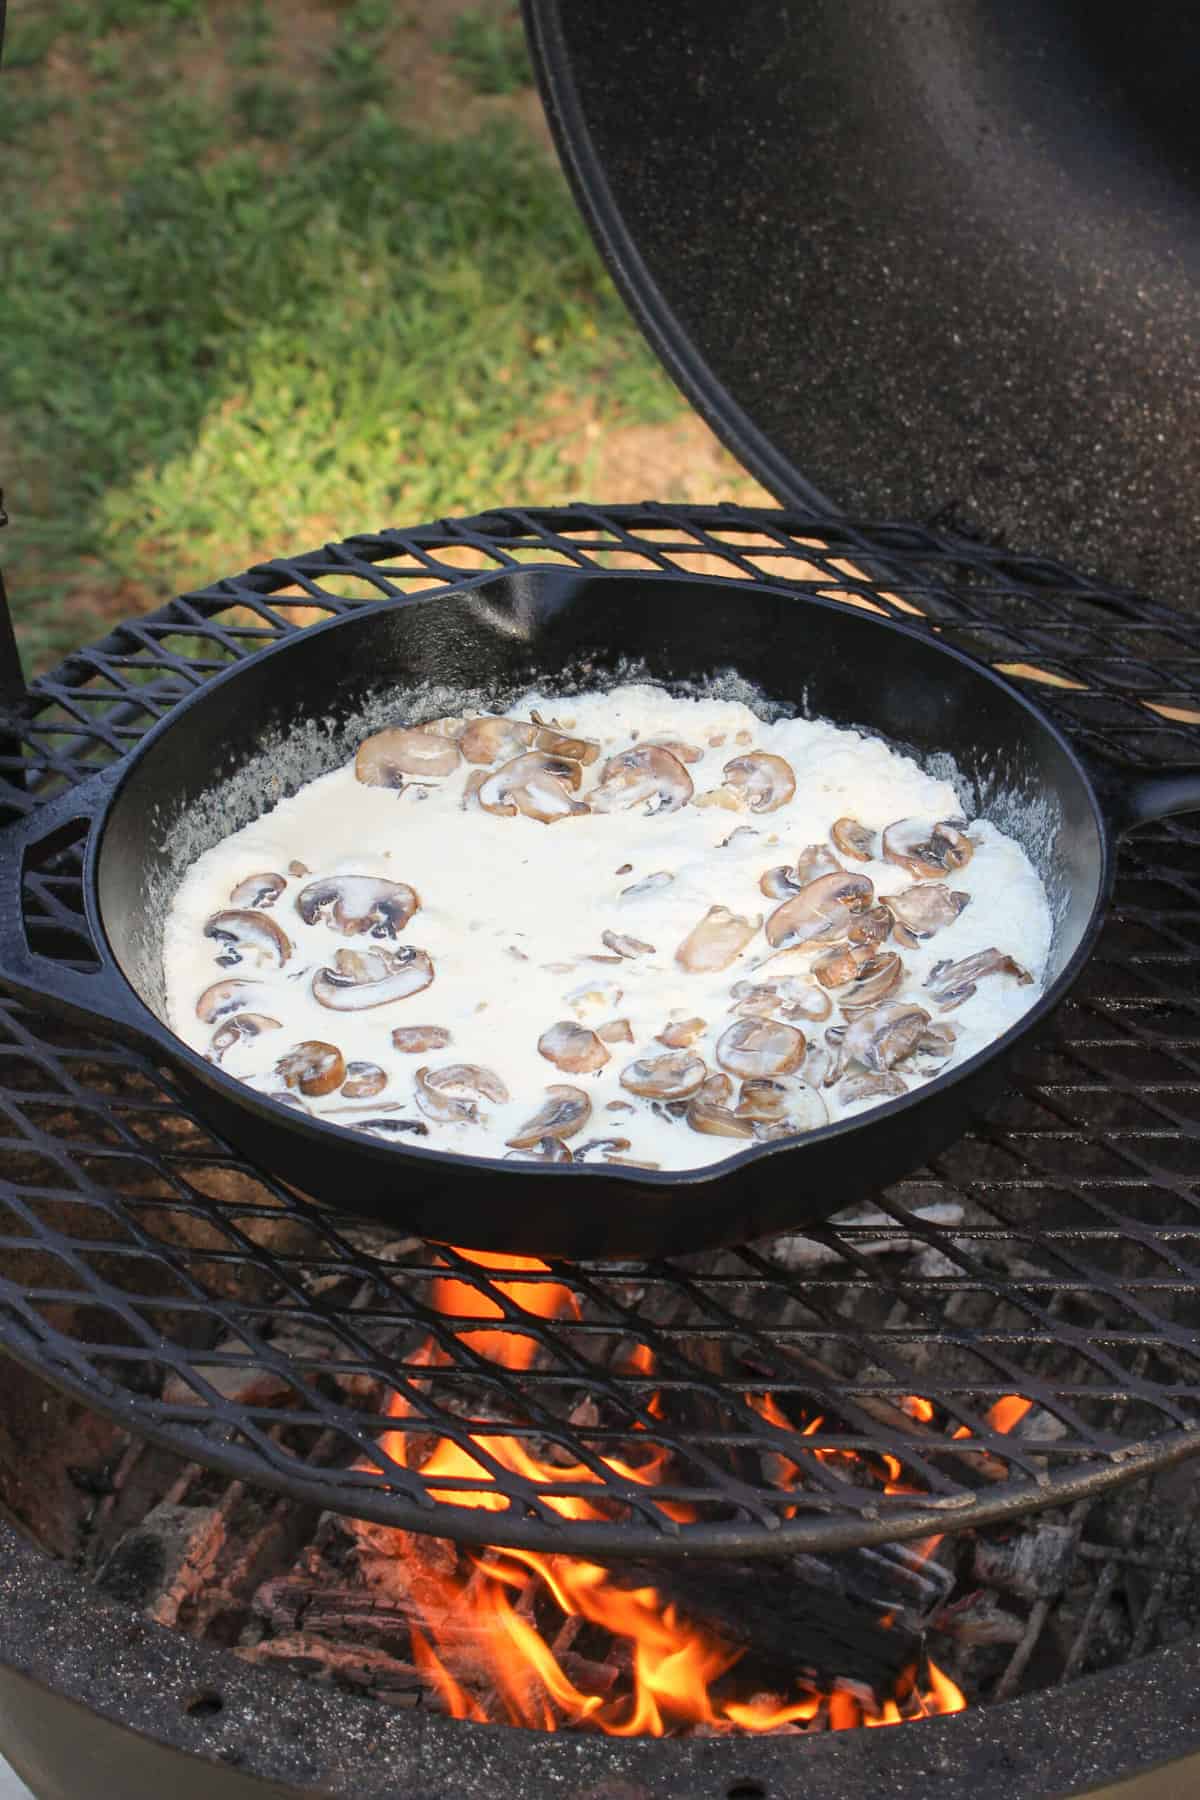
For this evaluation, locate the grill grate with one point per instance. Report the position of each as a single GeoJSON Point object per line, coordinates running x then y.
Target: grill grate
{"type": "Point", "coordinates": [153, 1273]}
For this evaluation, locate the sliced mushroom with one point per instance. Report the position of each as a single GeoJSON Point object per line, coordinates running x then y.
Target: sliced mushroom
{"type": "Point", "coordinates": [954, 982]}
{"type": "Point", "coordinates": [391, 1128]}
{"type": "Point", "coordinates": [716, 1121]}
{"type": "Point", "coordinates": [363, 978]}
{"type": "Point", "coordinates": [353, 904]}
{"type": "Point", "coordinates": [873, 1085]}
{"type": "Point", "coordinates": [754, 1049]}
{"type": "Point", "coordinates": [566, 1111]}
{"type": "Point", "coordinates": [765, 1101]}
{"type": "Point", "coordinates": [716, 941]}
{"type": "Point", "coordinates": [793, 1000]}
{"type": "Point", "coordinates": [631, 1162]}
{"type": "Point", "coordinates": [619, 1106]}
{"type": "Point", "coordinates": [715, 1088]}
{"type": "Point", "coordinates": [935, 1047]}
{"type": "Point", "coordinates": [241, 1028]}
{"type": "Point", "coordinates": [837, 967]}
{"type": "Point", "coordinates": [647, 773]}
{"type": "Point", "coordinates": [811, 864]}
{"type": "Point", "coordinates": [739, 831]}
{"type": "Point", "coordinates": [232, 996]}
{"type": "Point", "coordinates": [573, 1048]}
{"type": "Point", "coordinates": [451, 1095]}
{"type": "Point", "coordinates": [876, 978]}
{"type": "Point", "coordinates": [449, 726]}
{"type": "Point", "coordinates": [258, 891]}
{"type": "Point", "coordinates": [624, 945]}
{"type": "Point", "coordinates": [853, 839]}
{"type": "Point", "coordinates": [781, 1108]}
{"type": "Point", "coordinates": [870, 927]}
{"type": "Point", "coordinates": [535, 785]}
{"type": "Point", "coordinates": [649, 884]}
{"type": "Point", "coordinates": [921, 911]}
{"type": "Point", "coordinates": [882, 1037]}
{"type": "Point", "coordinates": [552, 738]}
{"type": "Point", "coordinates": [496, 740]}
{"type": "Point", "coordinates": [928, 852]}
{"type": "Point", "coordinates": [410, 1040]}
{"type": "Point", "coordinates": [386, 758]}
{"type": "Point", "coordinates": [766, 782]}
{"type": "Point", "coordinates": [313, 1067]}
{"type": "Point", "coordinates": [680, 749]}
{"type": "Point", "coordinates": [681, 1034]}
{"type": "Point", "coordinates": [298, 870]}
{"type": "Point", "coordinates": [820, 912]}
{"type": "Point", "coordinates": [727, 798]}
{"type": "Point", "coordinates": [674, 1076]}
{"type": "Point", "coordinates": [471, 787]}
{"type": "Point", "coordinates": [545, 1150]}
{"type": "Point", "coordinates": [251, 936]}
{"type": "Point", "coordinates": [617, 1031]}
{"type": "Point", "coordinates": [606, 1147]}
{"type": "Point", "coordinates": [363, 1080]}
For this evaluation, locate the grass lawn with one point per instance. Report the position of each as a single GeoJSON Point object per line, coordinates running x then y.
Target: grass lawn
{"type": "Point", "coordinates": [278, 270]}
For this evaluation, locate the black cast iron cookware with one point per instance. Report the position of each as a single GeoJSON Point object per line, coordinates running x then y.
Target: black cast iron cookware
{"type": "Point", "coordinates": [260, 731]}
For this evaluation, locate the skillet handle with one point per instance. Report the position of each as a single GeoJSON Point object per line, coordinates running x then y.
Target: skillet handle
{"type": "Point", "coordinates": [99, 997]}
{"type": "Point", "coordinates": [1138, 797]}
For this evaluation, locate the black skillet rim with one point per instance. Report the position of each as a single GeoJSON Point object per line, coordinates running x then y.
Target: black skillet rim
{"type": "Point", "coordinates": [164, 1039]}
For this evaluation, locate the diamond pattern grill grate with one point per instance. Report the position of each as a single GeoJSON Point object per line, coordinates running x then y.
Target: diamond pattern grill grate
{"type": "Point", "coordinates": [150, 1271]}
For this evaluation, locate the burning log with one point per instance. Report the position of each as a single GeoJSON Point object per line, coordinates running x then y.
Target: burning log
{"type": "Point", "coordinates": [164, 1561]}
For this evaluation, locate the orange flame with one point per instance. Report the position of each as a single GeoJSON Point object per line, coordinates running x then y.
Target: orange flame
{"type": "Point", "coordinates": [1008, 1412]}
{"type": "Point", "coordinates": [469, 1633]}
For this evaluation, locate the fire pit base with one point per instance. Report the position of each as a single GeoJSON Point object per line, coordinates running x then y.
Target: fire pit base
{"type": "Point", "coordinates": [95, 1700]}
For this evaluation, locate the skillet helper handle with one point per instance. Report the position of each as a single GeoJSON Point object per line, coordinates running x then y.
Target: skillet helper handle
{"type": "Point", "coordinates": [100, 997]}
{"type": "Point", "coordinates": [1139, 797]}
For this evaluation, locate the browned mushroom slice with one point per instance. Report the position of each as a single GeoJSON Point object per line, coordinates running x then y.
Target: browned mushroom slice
{"type": "Point", "coordinates": [820, 912]}
{"type": "Point", "coordinates": [954, 982]}
{"type": "Point", "coordinates": [240, 1029]}
{"type": "Point", "coordinates": [716, 1088]}
{"type": "Point", "coordinates": [573, 1048]}
{"type": "Point", "coordinates": [249, 936]}
{"type": "Point", "coordinates": [363, 1080]}
{"type": "Point", "coordinates": [716, 941]}
{"type": "Point", "coordinates": [624, 945]}
{"type": "Point", "coordinates": [353, 904]}
{"type": "Point", "coordinates": [258, 891]}
{"type": "Point", "coordinates": [299, 870]}
{"type": "Point", "coordinates": [873, 1085]}
{"type": "Point", "coordinates": [921, 911]}
{"type": "Point", "coordinates": [648, 774]}
{"type": "Point", "coordinates": [535, 785]}
{"type": "Point", "coordinates": [760, 1048]}
{"type": "Point", "coordinates": [232, 996]}
{"type": "Point", "coordinates": [870, 927]}
{"type": "Point", "coordinates": [631, 1162]}
{"type": "Point", "coordinates": [884, 1036]}
{"type": "Point", "coordinates": [836, 968]}
{"type": "Point", "coordinates": [781, 1108]}
{"type": "Point", "coordinates": [853, 839]}
{"type": "Point", "coordinates": [449, 726]}
{"type": "Point", "coordinates": [313, 1067]}
{"type": "Point", "coordinates": [566, 1111]}
{"type": "Point", "coordinates": [716, 1121]}
{"type": "Point", "coordinates": [877, 977]}
{"type": "Point", "coordinates": [386, 758]}
{"type": "Point", "coordinates": [649, 884]}
{"type": "Point", "coordinates": [619, 1106]}
{"type": "Point", "coordinates": [617, 1031]}
{"type": "Point", "coordinates": [611, 1146]}
{"type": "Point", "coordinates": [928, 852]}
{"type": "Point", "coordinates": [496, 740]}
{"type": "Point", "coordinates": [765, 1101]}
{"type": "Point", "coordinates": [550, 736]}
{"type": "Point", "coordinates": [545, 1150]}
{"type": "Point", "coordinates": [799, 1002]}
{"type": "Point", "coordinates": [471, 787]}
{"type": "Point", "coordinates": [680, 749]}
{"type": "Point", "coordinates": [766, 782]}
{"type": "Point", "coordinates": [410, 1040]}
{"type": "Point", "coordinates": [682, 1033]}
{"type": "Point", "coordinates": [363, 978]}
{"type": "Point", "coordinates": [451, 1095]}
{"type": "Point", "coordinates": [739, 832]}
{"type": "Point", "coordinates": [675, 1076]}
{"type": "Point", "coordinates": [935, 1047]}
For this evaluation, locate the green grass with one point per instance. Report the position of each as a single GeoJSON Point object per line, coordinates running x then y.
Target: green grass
{"type": "Point", "coordinates": [263, 323]}
{"type": "Point", "coordinates": [489, 52]}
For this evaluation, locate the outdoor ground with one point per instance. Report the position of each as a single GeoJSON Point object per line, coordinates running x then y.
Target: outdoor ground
{"type": "Point", "coordinates": [279, 270]}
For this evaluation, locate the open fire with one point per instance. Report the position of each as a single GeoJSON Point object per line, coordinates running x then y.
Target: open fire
{"type": "Point", "coordinates": [477, 1629]}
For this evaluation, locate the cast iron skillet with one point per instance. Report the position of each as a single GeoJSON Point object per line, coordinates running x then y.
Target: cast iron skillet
{"type": "Point", "coordinates": [216, 763]}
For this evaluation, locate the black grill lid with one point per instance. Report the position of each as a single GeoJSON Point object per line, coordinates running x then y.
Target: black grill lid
{"type": "Point", "coordinates": [937, 260]}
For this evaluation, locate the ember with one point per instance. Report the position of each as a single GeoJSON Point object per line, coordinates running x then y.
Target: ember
{"type": "Point", "coordinates": [681, 1670]}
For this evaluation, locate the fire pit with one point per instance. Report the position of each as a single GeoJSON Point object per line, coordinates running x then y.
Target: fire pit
{"type": "Point", "coordinates": [931, 1456]}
